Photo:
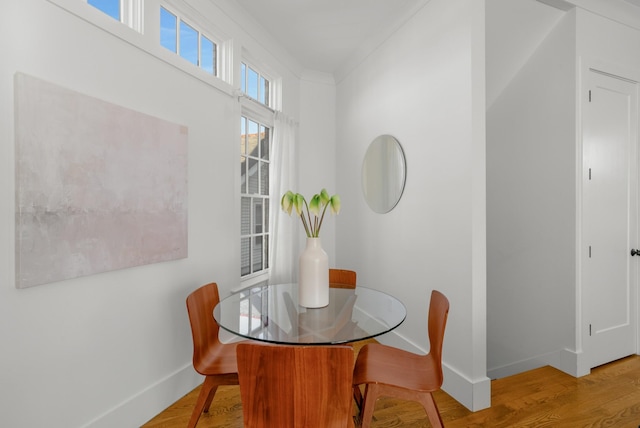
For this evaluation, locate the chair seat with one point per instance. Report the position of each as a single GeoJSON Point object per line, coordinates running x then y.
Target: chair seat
{"type": "Point", "coordinates": [386, 365]}
{"type": "Point", "coordinates": [218, 360]}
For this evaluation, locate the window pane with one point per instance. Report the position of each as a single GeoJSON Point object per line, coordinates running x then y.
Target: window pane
{"type": "Point", "coordinates": [266, 92]}
{"type": "Point", "coordinates": [243, 77]}
{"type": "Point", "coordinates": [266, 252]}
{"type": "Point", "coordinates": [257, 253]}
{"type": "Point", "coordinates": [257, 215]}
{"type": "Point", "coordinates": [252, 84]}
{"type": "Point", "coordinates": [252, 138]}
{"type": "Point", "coordinates": [110, 7]}
{"type": "Point", "coordinates": [264, 143]}
{"type": "Point", "coordinates": [188, 43]}
{"type": "Point", "coordinates": [264, 178]}
{"type": "Point", "coordinates": [263, 90]}
{"type": "Point", "coordinates": [253, 176]}
{"type": "Point", "coordinates": [266, 215]}
{"type": "Point", "coordinates": [245, 220]}
{"type": "Point", "coordinates": [243, 174]}
{"type": "Point", "coordinates": [168, 33]}
{"type": "Point", "coordinates": [245, 256]}
{"type": "Point", "coordinates": [243, 136]}
{"type": "Point", "coordinates": [207, 55]}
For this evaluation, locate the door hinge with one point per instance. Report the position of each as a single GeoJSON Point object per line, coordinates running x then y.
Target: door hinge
{"type": "Point", "coordinates": [589, 95]}
{"type": "Point", "coordinates": [589, 251]}
{"type": "Point", "coordinates": [589, 329]}
{"type": "Point", "coordinates": [589, 173]}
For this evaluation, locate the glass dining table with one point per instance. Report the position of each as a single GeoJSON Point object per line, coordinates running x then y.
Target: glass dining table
{"type": "Point", "coordinates": [271, 313]}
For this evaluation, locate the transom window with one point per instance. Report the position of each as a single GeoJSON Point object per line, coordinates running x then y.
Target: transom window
{"type": "Point", "coordinates": [128, 12]}
{"type": "Point", "coordinates": [187, 41]}
{"type": "Point", "coordinates": [110, 7]}
{"type": "Point", "coordinates": [255, 145]}
{"type": "Point", "coordinates": [254, 84]}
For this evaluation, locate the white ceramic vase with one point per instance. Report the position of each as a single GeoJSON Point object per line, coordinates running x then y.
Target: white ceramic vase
{"type": "Point", "coordinates": [313, 280]}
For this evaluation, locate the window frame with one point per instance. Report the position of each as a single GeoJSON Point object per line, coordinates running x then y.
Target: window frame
{"type": "Point", "coordinates": [131, 14]}
{"type": "Point", "coordinates": [146, 37]}
{"type": "Point", "coordinates": [194, 24]}
{"type": "Point", "coordinates": [262, 116]}
{"type": "Point", "coordinates": [261, 74]}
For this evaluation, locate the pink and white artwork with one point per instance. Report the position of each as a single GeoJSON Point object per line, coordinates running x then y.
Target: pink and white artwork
{"type": "Point", "coordinates": [98, 187]}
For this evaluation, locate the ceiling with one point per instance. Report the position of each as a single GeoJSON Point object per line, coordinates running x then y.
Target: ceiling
{"type": "Point", "coordinates": [324, 34]}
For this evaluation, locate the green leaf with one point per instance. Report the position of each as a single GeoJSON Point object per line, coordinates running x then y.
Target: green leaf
{"type": "Point", "coordinates": [335, 204]}
{"type": "Point", "coordinates": [318, 203]}
{"type": "Point", "coordinates": [287, 202]}
{"type": "Point", "coordinates": [315, 205]}
{"type": "Point", "coordinates": [324, 197]}
{"type": "Point", "coordinates": [298, 203]}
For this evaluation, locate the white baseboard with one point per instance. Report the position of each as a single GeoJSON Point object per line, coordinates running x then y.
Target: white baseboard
{"type": "Point", "coordinates": [142, 407]}
{"type": "Point", "coordinates": [474, 395]}
{"type": "Point", "coordinates": [519, 367]}
{"type": "Point", "coordinates": [564, 360]}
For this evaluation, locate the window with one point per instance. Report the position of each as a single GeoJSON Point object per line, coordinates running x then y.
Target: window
{"type": "Point", "coordinates": [128, 12]}
{"type": "Point", "coordinates": [254, 84]}
{"type": "Point", "coordinates": [187, 41]}
{"type": "Point", "coordinates": [255, 145]}
{"type": "Point", "coordinates": [110, 7]}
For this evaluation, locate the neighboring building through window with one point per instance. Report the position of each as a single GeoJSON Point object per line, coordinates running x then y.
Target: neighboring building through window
{"type": "Point", "coordinates": [187, 41]}
{"type": "Point", "coordinates": [255, 145]}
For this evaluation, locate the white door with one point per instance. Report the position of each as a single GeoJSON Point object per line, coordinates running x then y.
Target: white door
{"type": "Point", "coordinates": [609, 218]}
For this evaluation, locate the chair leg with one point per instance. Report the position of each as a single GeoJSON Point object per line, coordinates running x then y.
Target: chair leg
{"type": "Point", "coordinates": [369, 403]}
{"type": "Point", "coordinates": [431, 408]}
{"type": "Point", "coordinates": [357, 396]}
{"type": "Point", "coordinates": [208, 390]}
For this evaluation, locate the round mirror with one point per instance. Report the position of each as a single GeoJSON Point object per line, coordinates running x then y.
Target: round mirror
{"type": "Point", "coordinates": [383, 174]}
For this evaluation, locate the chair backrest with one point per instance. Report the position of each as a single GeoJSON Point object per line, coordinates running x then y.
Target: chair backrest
{"type": "Point", "coordinates": [342, 278]}
{"type": "Point", "coordinates": [295, 386]}
{"type": "Point", "coordinates": [204, 328]}
{"type": "Point", "coordinates": [438, 312]}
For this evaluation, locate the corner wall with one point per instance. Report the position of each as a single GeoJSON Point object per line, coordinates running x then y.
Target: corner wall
{"type": "Point", "coordinates": [425, 86]}
{"type": "Point", "coordinates": [531, 209]}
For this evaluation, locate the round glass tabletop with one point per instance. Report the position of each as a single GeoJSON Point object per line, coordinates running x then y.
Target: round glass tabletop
{"type": "Point", "coordinates": [272, 314]}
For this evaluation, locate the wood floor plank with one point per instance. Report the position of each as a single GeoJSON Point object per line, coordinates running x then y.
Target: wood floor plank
{"type": "Point", "coordinates": [540, 398]}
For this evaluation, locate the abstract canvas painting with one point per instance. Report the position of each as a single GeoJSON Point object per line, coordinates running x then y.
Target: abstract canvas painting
{"type": "Point", "coordinates": [99, 187]}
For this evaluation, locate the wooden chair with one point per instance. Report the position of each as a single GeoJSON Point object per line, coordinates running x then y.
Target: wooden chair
{"type": "Point", "coordinates": [289, 386]}
{"type": "Point", "coordinates": [342, 278]}
{"type": "Point", "coordinates": [392, 372]}
{"type": "Point", "coordinates": [211, 358]}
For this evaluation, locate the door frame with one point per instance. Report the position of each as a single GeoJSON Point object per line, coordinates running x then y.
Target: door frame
{"type": "Point", "coordinates": [587, 65]}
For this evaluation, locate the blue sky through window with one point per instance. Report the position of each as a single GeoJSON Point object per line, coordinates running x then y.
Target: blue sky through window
{"type": "Point", "coordinates": [188, 43]}
{"type": "Point", "coordinates": [252, 84]}
{"type": "Point", "coordinates": [168, 32]}
{"type": "Point", "coordinates": [110, 7]}
{"type": "Point", "coordinates": [207, 55]}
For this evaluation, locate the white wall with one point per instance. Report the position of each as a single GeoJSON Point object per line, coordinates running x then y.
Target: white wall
{"type": "Point", "coordinates": [317, 150]}
{"type": "Point", "coordinates": [531, 206]}
{"type": "Point", "coordinates": [515, 29]}
{"type": "Point", "coordinates": [425, 86]}
{"type": "Point", "coordinates": [114, 349]}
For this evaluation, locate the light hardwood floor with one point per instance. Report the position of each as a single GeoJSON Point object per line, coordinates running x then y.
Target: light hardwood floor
{"type": "Point", "coordinates": [545, 397]}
